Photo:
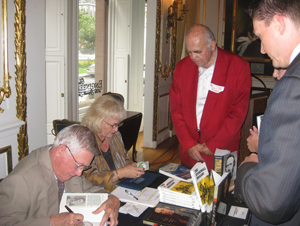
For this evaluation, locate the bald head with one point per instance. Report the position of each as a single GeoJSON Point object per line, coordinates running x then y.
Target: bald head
{"type": "Point", "coordinates": [201, 45]}
{"type": "Point", "coordinates": [201, 32]}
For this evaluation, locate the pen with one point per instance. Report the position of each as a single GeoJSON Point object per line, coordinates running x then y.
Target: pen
{"type": "Point", "coordinates": [71, 211]}
{"type": "Point", "coordinates": [68, 208]}
{"type": "Point", "coordinates": [130, 194]}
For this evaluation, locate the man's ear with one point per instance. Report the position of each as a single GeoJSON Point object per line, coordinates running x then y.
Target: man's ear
{"type": "Point", "coordinates": [60, 149]}
{"type": "Point", "coordinates": [279, 24]}
{"type": "Point", "coordinates": [213, 45]}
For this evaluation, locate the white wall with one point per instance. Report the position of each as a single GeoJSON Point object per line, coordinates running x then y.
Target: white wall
{"type": "Point", "coordinates": [36, 75]}
{"type": "Point", "coordinates": [35, 61]}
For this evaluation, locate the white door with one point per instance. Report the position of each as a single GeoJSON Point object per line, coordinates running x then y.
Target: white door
{"type": "Point", "coordinates": [119, 41]}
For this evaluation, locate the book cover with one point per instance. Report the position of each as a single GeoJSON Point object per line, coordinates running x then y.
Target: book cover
{"type": "Point", "coordinates": [201, 181]}
{"type": "Point", "coordinates": [259, 118]}
{"type": "Point", "coordinates": [176, 171]}
{"type": "Point", "coordinates": [225, 161]}
{"type": "Point", "coordinates": [140, 182]}
{"type": "Point", "coordinates": [166, 214]}
{"type": "Point", "coordinates": [147, 196]}
{"type": "Point", "coordinates": [221, 187]}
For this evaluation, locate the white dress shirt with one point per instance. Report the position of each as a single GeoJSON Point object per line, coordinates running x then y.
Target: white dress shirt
{"type": "Point", "coordinates": [204, 81]}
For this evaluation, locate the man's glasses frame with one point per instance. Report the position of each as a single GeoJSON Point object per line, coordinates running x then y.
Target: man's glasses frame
{"type": "Point", "coordinates": [79, 167]}
{"type": "Point", "coordinates": [114, 125]}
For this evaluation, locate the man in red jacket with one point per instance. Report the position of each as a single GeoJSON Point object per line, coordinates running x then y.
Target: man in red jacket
{"type": "Point", "coordinates": [209, 98]}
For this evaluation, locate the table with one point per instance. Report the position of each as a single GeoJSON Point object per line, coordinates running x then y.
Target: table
{"type": "Point", "coordinates": [128, 220]}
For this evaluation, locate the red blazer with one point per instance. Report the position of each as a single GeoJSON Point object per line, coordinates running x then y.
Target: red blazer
{"type": "Point", "coordinates": [223, 113]}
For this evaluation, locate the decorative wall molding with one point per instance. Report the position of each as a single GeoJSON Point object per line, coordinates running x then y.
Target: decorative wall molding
{"type": "Point", "coordinates": [21, 69]}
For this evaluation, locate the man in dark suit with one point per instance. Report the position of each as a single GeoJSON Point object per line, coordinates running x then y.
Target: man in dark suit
{"type": "Point", "coordinates": [209, 98]}
{"type": "Point", "coordinates": [29, 194]}
{"type": "Point", "coordinates": [269, 182]}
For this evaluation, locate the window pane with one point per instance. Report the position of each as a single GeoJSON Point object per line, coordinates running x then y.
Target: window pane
{"type": "Point", "coordinates": [86, 55]}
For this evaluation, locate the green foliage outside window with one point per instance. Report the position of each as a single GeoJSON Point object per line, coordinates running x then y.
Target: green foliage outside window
{"type": "Point", "coordinates": [86, 31]}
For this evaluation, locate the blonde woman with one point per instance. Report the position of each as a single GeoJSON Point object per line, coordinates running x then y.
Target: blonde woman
{"type": "Point", "coordinates": [104, 117]}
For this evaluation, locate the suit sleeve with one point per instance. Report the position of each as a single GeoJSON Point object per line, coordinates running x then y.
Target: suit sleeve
{"type": "Point", "coordinates": [240, 89]}
{"type": "Point", "coordinates": [15, 203]}
{"type": "Point", "coordinates": [175, 95]}
{"type": "Point", "coordinates": [271, 188]}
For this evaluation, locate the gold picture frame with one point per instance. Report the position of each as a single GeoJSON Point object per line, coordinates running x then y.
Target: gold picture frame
{"type": "Point", "coordinates": [238, 32]}
{"type": "Point", "coordinates": [5, 90]}
{"type": "Point", "coordinates": [7, 150]}
{"type": "Point", "coordinates": [243, 41]}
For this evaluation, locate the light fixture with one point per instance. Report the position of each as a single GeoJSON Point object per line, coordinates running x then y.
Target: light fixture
{"type": "Point", "coordinates": [172, 16]}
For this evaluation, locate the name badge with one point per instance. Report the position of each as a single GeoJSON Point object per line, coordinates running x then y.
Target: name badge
{"type": "Point", "coordinates": [215, 88]}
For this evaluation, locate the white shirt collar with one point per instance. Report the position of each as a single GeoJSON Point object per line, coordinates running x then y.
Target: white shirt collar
{"type": "Point", "coordinates": [202, 69]}
{"type": "Point", "coordinates": [295, 52]}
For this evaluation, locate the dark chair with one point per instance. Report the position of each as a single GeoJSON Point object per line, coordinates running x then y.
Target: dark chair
{"type": "Point", "coordinates": [118, 96]}
{"type": "Point", "coordinates": [130, 131]}
{"type": "Point", "coordinates": [59, 124]}
{"type": "Point", "coordinates": [257, 106]}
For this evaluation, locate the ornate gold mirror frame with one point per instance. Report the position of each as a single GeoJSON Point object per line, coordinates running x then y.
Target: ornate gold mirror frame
{"type": "Point", "coordinates": [5, 90]}
{"type": "Point", "coordinates": [21, 70]}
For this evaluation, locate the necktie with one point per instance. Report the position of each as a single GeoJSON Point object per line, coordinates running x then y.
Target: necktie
{"type": "Point", "coordinates": [61, 188]}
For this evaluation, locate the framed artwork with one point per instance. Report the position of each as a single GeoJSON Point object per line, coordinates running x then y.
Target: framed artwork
{"type": "Point", "coordinates": [7, 150]}
{"type": "Point", "coordinates": [5, 90]}
{"type": "Point", "coordinates": [242, 39]}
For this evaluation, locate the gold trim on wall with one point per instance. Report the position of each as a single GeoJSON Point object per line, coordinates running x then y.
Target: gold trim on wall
{"type": "Point", "coordinates": [21, 70]}
{"type": "Point", "coordinates": [5, 90]}
{"type": "Point", "coordinates": [223, 24]}
{"type": "Point", "coordinates": [157, 69]}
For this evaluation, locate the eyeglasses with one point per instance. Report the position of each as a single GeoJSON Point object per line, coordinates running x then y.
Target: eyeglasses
{"type": "Point", "coordinates": [114, 125]}
{"type": "Point", "coordinates": [79, 167]}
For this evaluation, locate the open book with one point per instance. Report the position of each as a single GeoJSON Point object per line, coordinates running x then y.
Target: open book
{"type": "Point", "coordinates": [85, 204]}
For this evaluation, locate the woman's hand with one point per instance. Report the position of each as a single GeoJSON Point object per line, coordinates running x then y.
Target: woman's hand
{"type": "Point", "coordinates": [131, 171]}
{"type": "Point", "coordinates": [252, 140]}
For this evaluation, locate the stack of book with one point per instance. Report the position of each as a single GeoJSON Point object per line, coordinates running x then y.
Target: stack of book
{"type": "Point", "coordinates": [188, 194]}
{"type": "Point", "coordinates": [177, 192]}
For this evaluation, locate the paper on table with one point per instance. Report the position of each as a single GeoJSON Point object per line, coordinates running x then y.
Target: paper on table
{"type": "Point", "coordinates": [133, 209]}
{"type": "Point", "coordinates": [85, 204]}
{"type": "Point", "coordinates": [238, 212]}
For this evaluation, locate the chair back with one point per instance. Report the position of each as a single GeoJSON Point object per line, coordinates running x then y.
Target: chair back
{"type": "Point", "coordinates": [59, 124]}
{"type": "Point", "coordinates": [118, 96]}
{"type": "Point", "coordinates": [130, 131]}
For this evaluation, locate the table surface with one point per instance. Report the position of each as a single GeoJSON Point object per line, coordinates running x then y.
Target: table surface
{"type": "Point", "coordinates": [128, 220]}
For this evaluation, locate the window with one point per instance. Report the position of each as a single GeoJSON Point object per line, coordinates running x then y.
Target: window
{"type": "Point", "coordinates": [86, 55]}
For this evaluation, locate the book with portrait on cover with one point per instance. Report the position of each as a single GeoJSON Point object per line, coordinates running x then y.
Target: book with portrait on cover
{"type": "Point", "coordinates": [176, 171]}
{"type": "Point", "coordinates": [171, 215]}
